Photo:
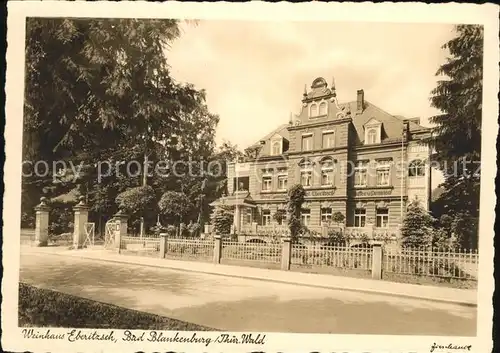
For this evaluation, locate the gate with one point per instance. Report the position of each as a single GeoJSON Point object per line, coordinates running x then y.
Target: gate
{"type": "Point", "coordinates": [89, 229]}
{"type": "Point", "coordinates": [109, 236]}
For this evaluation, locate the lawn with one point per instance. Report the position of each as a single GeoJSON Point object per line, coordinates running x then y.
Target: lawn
{"type": "Point", "coordinates": [46, 308]}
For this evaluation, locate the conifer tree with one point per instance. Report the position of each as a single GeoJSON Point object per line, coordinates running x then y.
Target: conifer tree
{"type": "Point", "coordinates": [457, 135]}
{"type": "Point", "coordinates": [417, 227]}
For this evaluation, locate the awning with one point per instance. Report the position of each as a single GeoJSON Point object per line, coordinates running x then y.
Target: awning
{"type": "Point", "coordinates": [235, 200]}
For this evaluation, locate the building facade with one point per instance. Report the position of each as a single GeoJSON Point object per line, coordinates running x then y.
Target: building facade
{"type": "Point", "coordinates": [352, 158]}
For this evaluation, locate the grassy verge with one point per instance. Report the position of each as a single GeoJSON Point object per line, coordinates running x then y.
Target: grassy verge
{"type": "Point", "coordinates": [42, 307]}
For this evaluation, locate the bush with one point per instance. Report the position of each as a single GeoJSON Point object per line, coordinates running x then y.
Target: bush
{"type": "Point", "coordinates": [61, 218]}
{"type": "Point", "coordinates": [194, 229]}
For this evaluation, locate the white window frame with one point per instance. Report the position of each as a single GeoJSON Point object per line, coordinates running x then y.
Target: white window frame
{"type": "Point", "coordinates": [384, 167]}
{"type": "Point", "coordinates": [280, 148]}
{"type": "Point", "coordinates": [381, 217]}
{"type": "Point", "coordinates": [377, 128]}
{"type": "Point", "coordinates": [416, 165]}
{"type": "Point", "coordinates": [283, 176]}
{"type": "Point", "coordinates": [325, 133]}
{"type": "Point", "coordinates": [328, 169]}
{"type": "Point", "coordinates": [266, 217]}
{"type": "Point", "coordinates": [304, 136]}
{"type": "Point", "coordinates": [361, 166]}
{"type": "Point", "coordinates": [267, 183]}
{"type": "Point", "coordinates": [305, 216]}
{"type": "Point", "coordinates": [326, 217]}
{"type": "Point", "coordinates": [306, 168]}
{"type": "Point", "coordinates": [359, 217]}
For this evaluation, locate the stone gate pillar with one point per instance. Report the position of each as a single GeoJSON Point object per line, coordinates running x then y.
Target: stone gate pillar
{"type": "Point", "coordinates": [121, 224]}
{"type": "Point", "coordinates": [81, 218]}
{"type": "Point", "coordinates": [42, 223]}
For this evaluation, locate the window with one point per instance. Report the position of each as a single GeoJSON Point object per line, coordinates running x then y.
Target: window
{"type": "Point", "coordinates": [382, 217]}
{"type": "Point", "coordinates": [282, 182]}
{"type": "Point", "coordinates": [328, 139]}
{"type": "Point", "coordinates": [249, 216]}
{"type": "Point", "coordinates": [305, 217]}
{"type": "Point", "coordinates": [326, 215]}
{"type": "Point", "coordinates": [327, 173]}
{"type": "Point", "coordinates": [306, 175]}
{"type": "Point", "coordinates": [416, 168]}
{"type": "Point", "coordinates": [241, 183]}
{"type": "Point", "coordinates": [323, 107]}
{"type": "Point", "coordinates": [383, 173]}
{"type": "Point", "coordinates": [359, 217]}
{"type": "Point", "coordinates": [266, 217]}
{"type": "Point", "coordinates": [307, 142]}
{"type": "Point", "coordinates": [313, 110]}
{"type": "Point", "coordinates": [266, 183]}
{"type": "Point", "coordinates": [282, 220]}
{"type": "Point", "coordinates": [360, 172]}
{"type": "Point", "coordinates": [276, 148]}
{"type": "Point", "coordinates": [372, 136]}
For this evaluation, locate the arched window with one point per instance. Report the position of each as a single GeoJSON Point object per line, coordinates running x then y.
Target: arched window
{"type": "Point", "coordinates": [372, 136]}
{"type": "Point", "coordinates": [313, 110]}
{"type": "Point", "coordinates": [276, 149]}
{"type": "Point", "coordinates": [327, 172]}
{"type": "Point", "coordinates": [306, 173]}
{"type": "Point", "coordinates": [416, 168]}
{"type": "Point", "coordinates": [323, 108]}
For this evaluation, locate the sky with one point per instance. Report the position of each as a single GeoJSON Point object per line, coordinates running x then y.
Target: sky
{"type": "Point", "coordinates": [254, 73]}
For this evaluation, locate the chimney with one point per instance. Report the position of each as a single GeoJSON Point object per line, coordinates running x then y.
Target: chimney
{"type": "Point", "coordinates": [360, 101]}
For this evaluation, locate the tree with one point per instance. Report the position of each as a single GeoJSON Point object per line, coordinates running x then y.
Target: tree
{"type": "Point", "coordinates": [175, 205]}
{"type": "Point", "coordinates": [296, 197]}
{"type": "Point", "coordinates": [279, 216]}
{"type": "Point", "coordinates": [457, 135]}
{"type": "Point", "coordinates": [417, 229]}
{"type": "Point", "coordinates": [101, 90]}
{"type": "Point", "coordinates": [137, 202]}
{"type": "Point", "coordinates": [222, 219]}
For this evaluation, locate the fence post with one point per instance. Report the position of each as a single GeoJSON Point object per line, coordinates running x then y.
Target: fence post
{"type": "Point", "coordinates": [377, 260]}
{"type": "Point", "coordinates": [163, 245]}
{"type": "Point", "coordinates": [81, 217]}
{"type": "Point", "coordinates": [286, 253]}
{"type": "Point", "coordinates": [217, 248]}
{"type": "Point", "coordinates": [42, 223]}
{"type": "Point", "coordinates": [120, 230]}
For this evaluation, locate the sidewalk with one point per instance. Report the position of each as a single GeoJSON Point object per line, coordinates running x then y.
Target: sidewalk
{"type": "Point", "coordinates": [466, 297]}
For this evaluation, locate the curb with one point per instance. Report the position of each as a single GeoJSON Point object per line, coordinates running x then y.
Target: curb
{"type": "Point", "coordinates": [259, 278]}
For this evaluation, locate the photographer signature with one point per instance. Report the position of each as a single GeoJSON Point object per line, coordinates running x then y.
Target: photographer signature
{"type": "Point", "coordinates": [450, 347]}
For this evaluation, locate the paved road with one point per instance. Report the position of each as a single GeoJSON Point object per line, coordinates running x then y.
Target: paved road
{"type": "Point", "coordinates": [235, 304]}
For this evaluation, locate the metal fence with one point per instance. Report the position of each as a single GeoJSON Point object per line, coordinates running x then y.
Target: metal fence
{"type": "Point", "coordinates": [458, 264]}
{"type": "Point", "coordinates": [190, 249]}
{"type": "Point", "coordinates": [261, 252]}
{"type": "Point", "coordinates": [335, 256]}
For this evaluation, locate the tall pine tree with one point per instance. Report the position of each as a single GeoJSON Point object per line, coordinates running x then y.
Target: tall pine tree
{"type": "Point", "coordinates": [457, 137]}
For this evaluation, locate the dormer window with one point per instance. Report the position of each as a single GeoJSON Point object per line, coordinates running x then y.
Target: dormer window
{"type": "Point", "coordinates": [276, 145]}
{"type": "Point", "coordinates": [276, 148]}
{"type": "Point", "coordinates": [371, 136]}
{"type": "Point", "coordinates": [373, 132]}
